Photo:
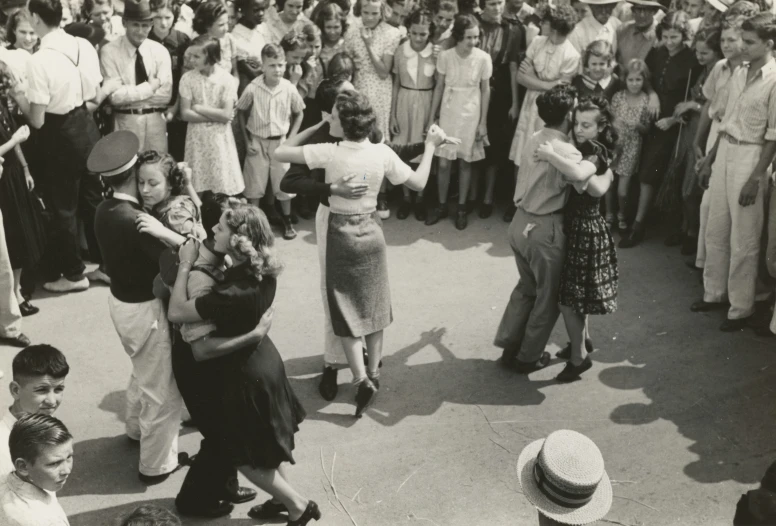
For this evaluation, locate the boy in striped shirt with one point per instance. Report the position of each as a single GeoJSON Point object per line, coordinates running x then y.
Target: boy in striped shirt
{"type": "Point", "coordinates": [270, 110]}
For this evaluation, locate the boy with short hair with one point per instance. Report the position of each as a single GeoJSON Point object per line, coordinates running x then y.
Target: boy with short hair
{"type": "Point", "coordinates": [150, 515]}
{"type": "Point", "coordinates": [274, 112]}
{"type": "Point", "coordinates": [740, 161]}
{"type": "Point", "coordinates": [38, 385]}
{"type": "Point", "coordinates": [42, 449]}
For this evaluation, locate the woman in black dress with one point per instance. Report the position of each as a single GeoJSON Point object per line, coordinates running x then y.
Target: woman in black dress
{"type": "Point", "coordinates": [24, 229]}
{"type": "Point", "coordinates": [261, 410]}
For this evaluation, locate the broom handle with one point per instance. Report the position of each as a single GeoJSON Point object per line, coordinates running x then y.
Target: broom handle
{"type": "Point", "coordinates": [681, 123]}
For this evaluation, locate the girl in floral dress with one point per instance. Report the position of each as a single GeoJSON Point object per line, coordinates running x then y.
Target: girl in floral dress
{"type": "Point", "coordinates": [549, 61]}
{"type": "Point", "coordinates": [333, 24]}
{"type": "Point", "coordinates": [212, 19]}
{"type": "Point", "coordinates": [207, 96]}
{"type": "Point", "coordinates": [631, 120]}
{"type": "Point", "coordinates": [371, 42]}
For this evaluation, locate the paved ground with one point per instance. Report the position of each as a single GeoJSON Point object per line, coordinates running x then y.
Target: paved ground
{"type": "Point", "coordinates": [684, 415]}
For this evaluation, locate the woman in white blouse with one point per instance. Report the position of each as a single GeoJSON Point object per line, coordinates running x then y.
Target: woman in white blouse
{"type": "Point", "coordinates": [356, 266]}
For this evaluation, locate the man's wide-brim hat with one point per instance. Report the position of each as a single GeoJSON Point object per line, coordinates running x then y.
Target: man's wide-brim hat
{"type": "Point", "coordinates": [721, 5]}
{"type": "Point", "coordinates": [137, 10]}
{"type": "Point", "coordinates": [648, 3]}
{"type": "Point", "coordinates": [114, 154]}
{"type": "Point", "coordinates": [564, 478]}
{"type": "Point", "coordinates": [600, 2]}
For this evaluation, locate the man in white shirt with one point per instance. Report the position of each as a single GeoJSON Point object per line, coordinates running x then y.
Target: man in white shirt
{"type": "Point", "coordinates": [42, 449]}
{"type": "Point", "coordinates": [598, 25]}
{"type": "Point", "coordinates": [38, 385]}
{"type": "Point", "coordinates": [143, 70]}
{"type": "Point", "coordinates": [62, 76]}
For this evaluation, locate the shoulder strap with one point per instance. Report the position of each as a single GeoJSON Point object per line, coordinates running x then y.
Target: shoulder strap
{"type": "Point", "coordinates": [74, 63]}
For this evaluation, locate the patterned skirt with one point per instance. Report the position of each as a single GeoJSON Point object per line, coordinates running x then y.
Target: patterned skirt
{"type": "Point", "coordinates": [589, 279]}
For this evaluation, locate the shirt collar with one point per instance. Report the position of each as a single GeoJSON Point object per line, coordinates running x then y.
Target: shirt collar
{"type": "Point", "coordinates": [425, 53]}
{"type": "Point", "coordinates": [130, 48]}
{"type": "Point", "coordinates": [648, 33]}
{"type": "Point", "coordinates": [243, 31]}
{"type": "Point", "coordinates": [768, 69]}
{"type": "Point", "coordinates": [125, 197]}
{"type": "Point", "coordinates": [271, 90]}
{"type": "Point", "coordinates": [27, 491]}
{"type": "Point", "coordinates": [50, 40]}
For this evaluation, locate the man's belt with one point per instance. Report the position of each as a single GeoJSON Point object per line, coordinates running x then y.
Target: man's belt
{"type": "Point", "coordinates": [139, 111]}
{"type": "Point", "coordinates": [733, 140]}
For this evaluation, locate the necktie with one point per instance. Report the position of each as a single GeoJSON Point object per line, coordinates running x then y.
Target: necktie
{"type": "Point", "coordinates": [140, 70]}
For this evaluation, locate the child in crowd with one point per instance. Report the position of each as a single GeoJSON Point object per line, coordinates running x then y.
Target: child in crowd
{"type": "Point", "coordinates": [715, 92]}
{"type": "Point", "coordinates": [169, 197]}
{"type": "Point", "coordinates": [150, 515]}
{"type": "Point", "coordinates": [274, 112]}
{"type": "Point", "coordinates": [231, 12]}
{"type": "Point", "coordinates": [674, 68]}
{"type": "Point", "coordinates": [341, 66]}
{"type": "Point", "coordinates": [311, 66]}
{"type": "Point", "coordinates": [333, 24]}
{"type": "Point", "coordinates": [708, 53]}
{"type": "Point", "coordinates": [212, 19]}
{"type": "Point", "coordinates": [372, 42]}
{"type": "Point", "coordinates": [588, 282]}
{"type": "Point", "coordinates": [461, 99]}
{"type": "Point", "coordinates": [166, 13]}
{"type": "Point", "coordinates": [630, 110]}
{"type": "Point", "coordinates": [38, 385]}
{"type": "Point", "coordinates": [21, 35]}
{"type": "Point", "coordinates": [444, 13]}
{"type": "Point", "coordinates": [550, 60]}
{"type": "Point", "coordinates": [597, 78]}
{"type": "Point", "coordinates": [100, 13]}
{"type": "Point", "coordinates": [296, 49]}
{"type": "Point", "coordinates": [42, 452]}
{"type": "Point", "coordinates": [413, 90]}
{"type": "Point", "coordinates": [207, 98]}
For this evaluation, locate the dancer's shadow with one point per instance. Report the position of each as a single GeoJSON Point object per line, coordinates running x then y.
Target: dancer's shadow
{"type": "Point", "coordinates": [104, 466]}
{"type": "Point", "coordinates": [421, 389]}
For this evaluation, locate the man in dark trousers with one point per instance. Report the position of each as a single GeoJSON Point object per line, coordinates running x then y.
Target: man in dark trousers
{"type": "Point", "coordinates": [153, 411]}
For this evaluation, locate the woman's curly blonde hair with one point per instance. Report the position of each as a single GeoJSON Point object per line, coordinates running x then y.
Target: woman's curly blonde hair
{"type": "Point", "coordinates": [252, 238]}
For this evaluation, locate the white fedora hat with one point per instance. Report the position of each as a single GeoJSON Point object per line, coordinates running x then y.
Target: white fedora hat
{"type": "Point", "coordinates": [600, 2]}
{"type": "Point", "coordinates": [563, 476]}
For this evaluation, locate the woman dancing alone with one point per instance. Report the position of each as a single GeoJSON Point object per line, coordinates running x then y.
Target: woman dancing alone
{"type": "Point", "coordinates": [356, 266]}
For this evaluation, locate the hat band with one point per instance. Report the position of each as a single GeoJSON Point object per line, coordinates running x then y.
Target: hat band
{"type": "Point", "coordinates": [558, 495]}
{"type": "Point", "coordinates": [123, 168]}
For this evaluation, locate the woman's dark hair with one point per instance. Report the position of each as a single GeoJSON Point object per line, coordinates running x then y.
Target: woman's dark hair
{"type": "Point", "coordinates": [710, 36]}
{"type": "Point", "coordinates": [385, 11]}
{"type": "Point", "coordinates": [676, 21]}
{"type": "Point", "coordinates": [213, 205]}
{"type": "Point", "coordinates": [326, 94]}
{"type": "Point", "coordinates": [763, 25]}
{"type": "Point", "coordinates": [555, 104]}
{"type": "Point", "coordinates": [636, 65]}
{"type": "Point", "coordinates": [344, 5]}
{"type": "Point", "coordinates": [150, 515]}
{"type": "Point", "coordinates": [293, 40]}
{"type": "Point", "coordinates": [421, 17]}
{"type": "Point", "coordinates": [342, 66]}
{"type": "Point", "coordinates": [169, 168]}
{"type": "Point", "coordinates": [280, 4]}
{"type": "Point", "coordinates": [330, 11]}
{"type": "Point", "coordinates": [461, 24]}
{"type": "Point", "coordinates": [89, 5]}
{"type": "Point", "coordinates": [466, 7]}
{"type": "Point", "coordinates": [207, 14]}
{"type": "Point", "coordinates": [562, 18]}
{"type": "Point", "coordinates": [211, 46]}
{"type": "Point", "coordinates": [172, 5]}
{"type": "Point", "coordinates": [356, 115]}
{"type": "Point", "coordinates": [13, 23]}
{"type": "Point", "coordinates": [607, 135]}
{"type": "Point", "coordinates": [49, 11]}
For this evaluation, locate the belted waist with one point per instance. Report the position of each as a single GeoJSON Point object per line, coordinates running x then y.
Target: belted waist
{"type": "Point", "coordinates": [139, 111]}
{"type": "Point", "coordinates": [733, 140]}
{"type": "Point", "coordinates": [417, 89]}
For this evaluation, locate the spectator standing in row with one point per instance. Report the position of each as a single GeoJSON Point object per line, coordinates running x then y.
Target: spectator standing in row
{"type": "Point", "coordinates": [143, 70]}
{"type": "Point", "coordinates": [63, 75]}
{"type": "Point", "coordinates": [636, 37]}
{"type": "Point", "coordinates": [598, 25]}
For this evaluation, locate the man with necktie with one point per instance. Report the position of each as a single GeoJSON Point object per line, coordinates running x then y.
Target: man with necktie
{"type": "Point", "coordinates": [143, 68]}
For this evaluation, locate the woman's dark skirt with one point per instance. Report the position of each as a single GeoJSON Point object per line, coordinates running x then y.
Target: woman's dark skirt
{"type": "Point", "coordinates": [357, 275]}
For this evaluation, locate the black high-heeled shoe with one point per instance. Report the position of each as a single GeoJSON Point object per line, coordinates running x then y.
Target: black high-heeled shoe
{"type": "Point", "coordinates": [311, 512]}
{"type": "Point", "coordinates": [28, 309]}
{"type": "Point", "coordinates": [267, 510]}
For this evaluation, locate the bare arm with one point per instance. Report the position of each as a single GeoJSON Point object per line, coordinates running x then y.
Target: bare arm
{"type": "Point", "coordinates": [436, 101]}
{"type": "Point", "coordinates": [222, 115]}
{"type": "Point", "coordinates": [296, 123]}
{"type": "Point", "coordinates": [188, 114]}
{"type": "Point", "coordinates": [210, 347]}
{"type": "Point", "coordinates": [37, 115]}
{"type": "Point", "coordinates": [382, 64]}
{"type": "Point", "coordinates": [702, 133]}
{"type": "Point", "coordinates": [515, 109]}
{"type": "Point", "coordinates": [291, 150]}
{"type": "Point", "coordinates": [526, 77]}
{"type": "Point", "coordinates": [598, 185]}
{"type": "Point", "coordinates": [573, 171]}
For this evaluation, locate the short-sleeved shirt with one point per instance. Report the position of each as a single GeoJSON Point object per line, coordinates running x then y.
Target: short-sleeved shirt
{"type": "Point", "coordinates": [6, 424]}
{"type": "Point", "coordinates": [176, 43]}
{"type": "Point", "coordinates": [248, 42]}
{"type": "Point", "coordinates": [750, 113]}
{"type": "Point", "coordinates": [553, 62]}
{"type": "Point", "coordinates": [605, 87]}
{"type": "Point", "coordinates": [672, 76]}
{"type": "Point", "coordinates": [270, 108]}
{"type": "Point", "coordinates": [541, 188]}
{"type": "Point", "coordinates": [53, 78]}
{"type": "Point", "coordinates": [715, 89]}
{"type": "Point", "coordinates": [369, 162]}
{"type": "Point", "coordinates": [633, 43]}
{"type": "Point", "coordinates": [274, 28]}
{"type": "Point", "coordinates": [23, 504]}
{"type": "Point", "coordinates": [589, 30]}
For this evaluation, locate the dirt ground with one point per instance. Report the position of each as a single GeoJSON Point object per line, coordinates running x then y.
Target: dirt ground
{"type": "Point", "coordinates": [684, 414]}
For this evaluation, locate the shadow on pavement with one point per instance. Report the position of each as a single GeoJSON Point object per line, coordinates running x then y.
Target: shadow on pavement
{"type": "Point", "coordinates": [421, 389]}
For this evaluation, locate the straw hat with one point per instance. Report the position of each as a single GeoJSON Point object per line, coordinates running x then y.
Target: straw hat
{"type": "Point", "coordinates": [563, 476]}
{"type": "Point", "coordinates": [721, 5]}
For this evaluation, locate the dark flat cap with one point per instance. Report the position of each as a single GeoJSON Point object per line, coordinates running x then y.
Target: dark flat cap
{"type": "Point", "coordinates": [114, 154]}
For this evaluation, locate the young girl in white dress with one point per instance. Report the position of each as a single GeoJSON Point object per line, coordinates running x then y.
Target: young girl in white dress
{"type": "Point", "coordinates": [550, 60]}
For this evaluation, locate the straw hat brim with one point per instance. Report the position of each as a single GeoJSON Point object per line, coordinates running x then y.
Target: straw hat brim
{"type": "Point", "coordinates": [594, 510]}
{"type": "Point", "coordinates": [719, 6]}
